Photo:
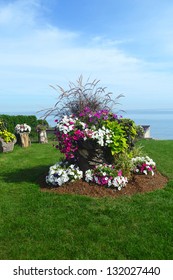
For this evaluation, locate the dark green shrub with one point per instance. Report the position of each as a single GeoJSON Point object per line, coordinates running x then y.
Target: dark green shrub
{"type": "Point", "coordinates": [11, 121]}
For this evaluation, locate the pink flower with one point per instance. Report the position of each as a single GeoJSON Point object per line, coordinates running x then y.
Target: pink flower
{"type": "Point", "coordinates": [120, 173]}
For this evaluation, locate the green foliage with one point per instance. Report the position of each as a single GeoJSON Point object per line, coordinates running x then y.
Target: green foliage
{"type": "Point", "coordinates": [140, 131]}
{"type": "Point", "coordinates": [124, 135]}
{"type": "Point", "coordinates": [7, 136]}
{"type": "Point", "coordinates": [42, 125]}
{"type": "Point", "coordinates": [129, 128]}
{"type": "Point", "coordinates": [137, 151]}
{"type": "Point", "coordinates": [11, 121]}
{"type": "Point", "coordinates": [4, 134]}
{"type": "Point", "coordinates": [123, 162]}
{"type": "Point", "coordinates": [2, 125]}
{"type": "Point", "coordinates": [119, 141]}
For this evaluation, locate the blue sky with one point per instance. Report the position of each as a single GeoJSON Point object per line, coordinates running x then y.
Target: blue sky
{"type": "Point", "coordinates": [126, 44]}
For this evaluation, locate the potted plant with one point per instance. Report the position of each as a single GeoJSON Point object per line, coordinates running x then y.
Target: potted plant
{"type": "Point", "coordinates": [22, 131]}
{"type": "Point", "coordinates": [7, 139]}
{"type": "Point", "coordinates": [42, 135]}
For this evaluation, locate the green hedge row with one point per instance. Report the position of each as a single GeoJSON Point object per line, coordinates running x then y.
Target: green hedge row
{"type": "Point", "coordinates": [12, 121]}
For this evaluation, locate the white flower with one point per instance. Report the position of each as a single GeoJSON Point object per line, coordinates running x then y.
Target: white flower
{"type": "Point", "coordinates": [144, 165]}
{"type": "Point", "coordinates": [89, 175]}
{"type": "Point", "coordinates": [109, 183]}
{"type": "Point", "coordinates": [20, 128]}
{"type": "Point", "coordinates": [61, 173]}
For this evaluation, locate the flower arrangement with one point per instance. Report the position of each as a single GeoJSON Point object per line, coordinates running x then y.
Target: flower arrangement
{"type": "Point", "coordinates": [106, 175]}
{"type": "Point", "coordinates": [103, 127]}
{"type": "Point", "coordinates": [62, 172]}
{"type": "Point", "coordinates": [21, 128]}
{"type": "Point", "coordinates": [88, 133]}
{"type": "Point", "coordinates": [143, 165]}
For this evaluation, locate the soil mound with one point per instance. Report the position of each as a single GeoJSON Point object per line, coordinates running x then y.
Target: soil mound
{"type": "Point", "coordinates": [138, 184]}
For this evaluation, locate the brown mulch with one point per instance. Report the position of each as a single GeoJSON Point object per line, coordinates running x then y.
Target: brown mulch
{"type": "Point", "coordinates": [138, 184]}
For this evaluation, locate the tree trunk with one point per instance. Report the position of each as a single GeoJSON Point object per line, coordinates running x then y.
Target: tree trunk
{"type": "Point", "coordinates": [25, 140]}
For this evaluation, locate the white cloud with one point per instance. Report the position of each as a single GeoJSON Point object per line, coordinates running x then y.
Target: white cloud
{"type": "Point", "coordinates": [34, 54]}
{"type": "Point", "coordinates": [19, 14]}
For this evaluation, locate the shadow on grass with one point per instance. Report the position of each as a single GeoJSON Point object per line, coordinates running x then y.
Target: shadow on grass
{"type": "Point", "coordinates": [32, 175]}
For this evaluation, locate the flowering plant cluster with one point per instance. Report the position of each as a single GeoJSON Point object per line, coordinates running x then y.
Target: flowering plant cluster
{"type": "Point", "coordinates": [106, 175]}
{"type": "Point", "coordinates": [6, 135]}
{"type": "Point", "coordinates": [89, 125]}
{"type": "Point", "coordinates": [97, 118]}
{"type": "Point", "coordinates": [143, 165]}
{"type": "Point", "coordinates": [103, 174]}
{"type": "Point", "coordinates": [62, 172]}
{"type": "Point", "coordinates": [21, 128]}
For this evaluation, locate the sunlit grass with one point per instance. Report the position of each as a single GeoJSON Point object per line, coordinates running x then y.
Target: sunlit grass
{"type": "Point", "coordinates": [43, 225]}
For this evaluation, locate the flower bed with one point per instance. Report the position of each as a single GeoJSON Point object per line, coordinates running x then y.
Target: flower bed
{"type": "Point", "coordinates": [103, 174]}
{"type": "Point", "coordinates": [92, 144]}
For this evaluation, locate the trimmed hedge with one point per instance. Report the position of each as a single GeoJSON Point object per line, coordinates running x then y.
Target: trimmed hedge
{"type": "Point", "coordinates": [12, 121]}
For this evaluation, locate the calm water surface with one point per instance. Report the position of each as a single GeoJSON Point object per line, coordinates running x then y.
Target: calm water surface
{"type": "Point", "coordinates": [160, 121]}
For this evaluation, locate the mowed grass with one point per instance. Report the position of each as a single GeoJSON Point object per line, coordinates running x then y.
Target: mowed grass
{"type": "Point", "coordinates": [44, 225]}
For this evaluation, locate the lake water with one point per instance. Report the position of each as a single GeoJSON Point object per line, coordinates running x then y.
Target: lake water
{"type": "Point", "coordinates": [160, 120]}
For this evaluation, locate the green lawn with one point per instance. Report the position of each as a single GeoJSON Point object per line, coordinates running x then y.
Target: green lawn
{"type": "Point", "coordinates": [42, 225]}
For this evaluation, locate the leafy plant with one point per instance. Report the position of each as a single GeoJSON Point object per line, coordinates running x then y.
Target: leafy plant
{"type": "Point", "coordinates": [137, 151]}
{"type": "Point", "coordinates": [129, 128]}
{"type": "Point", "coordinates": [123, 162]}
{"type": "Point", "coordinates": [4, 134]}
{"type": "Point", "coordinates": [140, 131]}
{"type": "Point", "coordinates": [7, 136]}
{"type": "Point", "coordinates": [119, 141]}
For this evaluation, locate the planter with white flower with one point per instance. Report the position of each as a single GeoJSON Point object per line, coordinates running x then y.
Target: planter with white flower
{"type": "Point", "coordinates": [23, 131]}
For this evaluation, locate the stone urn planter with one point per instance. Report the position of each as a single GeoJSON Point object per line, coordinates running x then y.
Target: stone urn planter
{"type": "Point", "coordinates": [6, 147]}
{"type": "Point", "coordinates": [42, 137]}
{"type": "Point", "coordinates": [91, 154]}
